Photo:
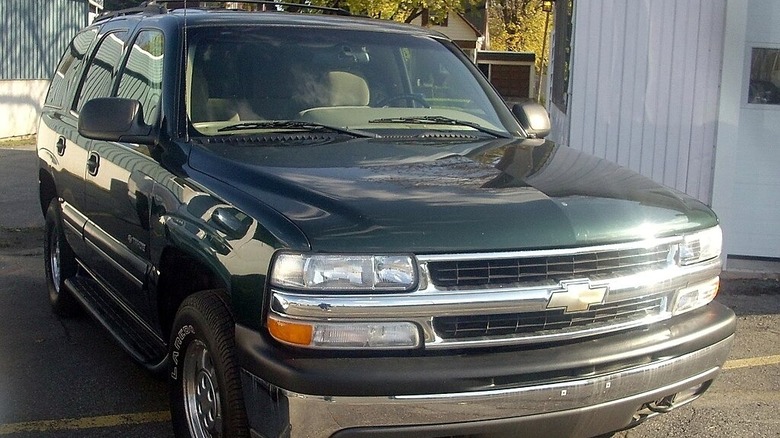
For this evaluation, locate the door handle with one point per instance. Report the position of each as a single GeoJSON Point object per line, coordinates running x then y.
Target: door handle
{"type": "Point", "coordinates": [93, 163]}
{"type": "Point", "coordinates": [61, 146]}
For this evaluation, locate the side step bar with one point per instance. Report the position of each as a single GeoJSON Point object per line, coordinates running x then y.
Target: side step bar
{"type": "Point", "coordinates": [145, 347]}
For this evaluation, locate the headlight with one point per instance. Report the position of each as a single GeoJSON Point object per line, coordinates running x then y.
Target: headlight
{"type": "Point", "coordinates": [701, 246]}
{"type": "Point", "coordinates": [348, 273]}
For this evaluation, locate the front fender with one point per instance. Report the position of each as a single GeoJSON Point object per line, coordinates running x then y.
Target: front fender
{"type": "Point", "coordinates": [235, 244]}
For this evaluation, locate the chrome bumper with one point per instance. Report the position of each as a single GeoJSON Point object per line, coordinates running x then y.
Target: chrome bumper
{"type": "Point", "coordinates": [621, 398]}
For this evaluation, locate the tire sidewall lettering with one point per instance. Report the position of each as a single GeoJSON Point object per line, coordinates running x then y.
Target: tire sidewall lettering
{"type": "Point", "coordinates": [178, 345]}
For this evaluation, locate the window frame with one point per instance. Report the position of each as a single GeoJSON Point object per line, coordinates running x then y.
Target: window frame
{"type": "Point", "coordinates": [93, 54]}
{"type": "Point", "coordinates": [563, 48]}
{"type": "Point", "coordinates": [748, 73]}
{"type": "Point", "coordinates": [69, 93]}
{"type": "Point", "coordinates": [123, 67]}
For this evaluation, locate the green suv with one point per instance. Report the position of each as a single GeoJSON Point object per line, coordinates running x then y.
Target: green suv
{"type": "Point", "coordinates": [317, 225]}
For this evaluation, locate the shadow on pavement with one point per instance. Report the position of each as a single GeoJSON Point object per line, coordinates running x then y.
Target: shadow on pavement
{"type": "Point", "coordinates": [751, 296]}
{"type": "Point", "coordinates": [19, 205]}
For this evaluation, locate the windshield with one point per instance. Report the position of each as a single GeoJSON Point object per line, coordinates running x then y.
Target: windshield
{"type": "Point", "coordinates": [355, 81]}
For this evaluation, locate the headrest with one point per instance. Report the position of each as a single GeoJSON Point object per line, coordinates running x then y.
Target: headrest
{"type": "Point", "coordinates": [347, 89]}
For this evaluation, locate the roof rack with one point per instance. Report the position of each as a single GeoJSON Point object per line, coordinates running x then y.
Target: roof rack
{"type": "Point", "coordinates": [149, 7]}
{"type": "Point", "coordinates": [155, 7]}
{"type": "Point", "coordinates": [275, 5]}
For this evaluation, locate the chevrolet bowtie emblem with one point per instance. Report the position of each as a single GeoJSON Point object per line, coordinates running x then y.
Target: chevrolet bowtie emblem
{"type": "Point", "coordinates": [577, 296]}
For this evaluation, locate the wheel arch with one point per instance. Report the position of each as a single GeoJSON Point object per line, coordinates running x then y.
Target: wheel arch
{"type": "Point", "coordinates": [47, 189]}
{"type": "Point", "coordinates": [181, 274]}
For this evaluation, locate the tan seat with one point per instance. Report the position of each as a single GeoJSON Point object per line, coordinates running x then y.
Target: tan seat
{"type": "Point", "coordinates": [204, 108]}
{"type": "Point", "coordinates": [347, 89]}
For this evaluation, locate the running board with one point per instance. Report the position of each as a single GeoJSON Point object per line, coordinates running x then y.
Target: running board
{"type": "Point", "coordinates": [135, 337]}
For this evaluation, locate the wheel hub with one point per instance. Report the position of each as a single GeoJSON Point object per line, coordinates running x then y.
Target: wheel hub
{"type": "Point", "coordinates": [201, 392]}
{"type": "Point", "coordinates": [54, 261]}
{"type": "Point", "coordinates": [206, 400]}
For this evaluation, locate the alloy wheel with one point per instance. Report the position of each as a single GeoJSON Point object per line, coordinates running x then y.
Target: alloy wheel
{"type": "Point", "coordinates": [201, 392]}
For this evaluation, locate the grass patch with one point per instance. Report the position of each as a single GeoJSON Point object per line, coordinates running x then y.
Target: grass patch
{"type": "Point", "coordinates": [23, 142]}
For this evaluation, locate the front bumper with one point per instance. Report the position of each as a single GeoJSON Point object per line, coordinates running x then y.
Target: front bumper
{"type": "Point", "coordinates": [602, 385]}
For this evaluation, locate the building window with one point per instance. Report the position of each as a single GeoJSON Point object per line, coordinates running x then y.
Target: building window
{"type": "Point", "coordinates": [764, 85]}
{"type": "Point", "coordinates": [561, 56]}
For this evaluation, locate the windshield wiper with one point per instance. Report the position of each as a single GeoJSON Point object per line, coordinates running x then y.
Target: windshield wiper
{"type": "Point", "coordinates": [441, 120]}
{"type": "Point", "coordinates": [294, 124]}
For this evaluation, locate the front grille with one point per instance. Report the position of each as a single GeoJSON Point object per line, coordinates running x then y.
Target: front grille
{"type": "Point", "coordinates": [544, 322]}
{"type": "Point", "coordinates": [548, 268]}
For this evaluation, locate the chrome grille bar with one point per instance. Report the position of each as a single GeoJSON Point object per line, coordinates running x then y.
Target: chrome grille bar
{"type": "Point", "coordinates": [488, 272]}
{"type": "Point", "coordinates": [463, 327]}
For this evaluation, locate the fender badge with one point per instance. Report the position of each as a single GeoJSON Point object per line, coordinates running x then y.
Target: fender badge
{"type": "Point", "coordinates": [576, 296]}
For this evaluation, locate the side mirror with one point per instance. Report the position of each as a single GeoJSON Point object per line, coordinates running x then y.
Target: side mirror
{"type": "Point", "coordinates": [533, 118]}
{"type": "Point", "coordinates": [115, 119]}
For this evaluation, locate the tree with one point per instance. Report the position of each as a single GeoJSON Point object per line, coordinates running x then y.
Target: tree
{"type": "Point", "coordinates": [519, 26]}
{"type": "Point", "coordinates": [115, 5]}
{"type": "Point", "coordinates": [404, 10]}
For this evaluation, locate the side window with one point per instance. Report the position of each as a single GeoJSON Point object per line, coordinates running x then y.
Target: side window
{"type": "Point", "coordinates": [764, 85]}
{"type": "Point", "coordinates": [141, 78]}
{"type": "Point", "coordinates": [101, 71]}
{"type": "Point", "coordinates": [70, 67]}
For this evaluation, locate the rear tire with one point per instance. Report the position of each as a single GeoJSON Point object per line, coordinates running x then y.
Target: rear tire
{"type": "Point", "coordinates": [205, 386]}
{"type": "Point", "coordinates": [60, 264]}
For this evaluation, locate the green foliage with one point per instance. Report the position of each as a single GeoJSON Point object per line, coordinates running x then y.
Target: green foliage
{"type": "Point", "coordinates": [115, 5]}
{"type": "Point", "coordinates": [519, 26]}
{"type": "Point", "coordinates": [397, 10]}
{"type": "Point", "coordinates": [371, 8]}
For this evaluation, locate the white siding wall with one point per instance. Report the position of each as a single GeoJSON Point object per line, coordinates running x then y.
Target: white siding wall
{"type": "Point", "coordinates": [644, 87]}
{"type": "Point", "coordinates": [747, 179]}
{"type": "Point", "coordinates": [20, 106]}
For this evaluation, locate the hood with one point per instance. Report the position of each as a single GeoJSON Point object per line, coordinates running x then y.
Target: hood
{"type": "Point", "coordinates": [449, 195]}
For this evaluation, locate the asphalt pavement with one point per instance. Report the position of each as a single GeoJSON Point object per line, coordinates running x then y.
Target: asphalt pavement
{"type": "Point", "coordinates": [58, 377]}
{"type": "Point", "coordinates": [19, 187]}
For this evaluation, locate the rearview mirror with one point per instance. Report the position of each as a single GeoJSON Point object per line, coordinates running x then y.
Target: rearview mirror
{"type": "Point", "coordinates": [115, 119]}
{"type": "Point", "coordinates": [533, 118]}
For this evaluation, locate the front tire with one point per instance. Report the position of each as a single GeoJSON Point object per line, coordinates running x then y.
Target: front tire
{"type": "Point", "coordinates": [60, 264]}
{"type": "Point", "coordinates": [205, 386]}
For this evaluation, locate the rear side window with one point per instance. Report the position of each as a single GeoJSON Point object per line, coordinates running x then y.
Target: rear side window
{"type": "Point", "coordinates": [102, 69]}
{"type": "Point", "coordinates": [142, 76]}
{"type": "Point", "coordinates": [69, 69]}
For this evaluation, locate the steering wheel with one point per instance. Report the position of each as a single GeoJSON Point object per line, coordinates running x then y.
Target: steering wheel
{"type": "Point", "coordinates": [409, 97]}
